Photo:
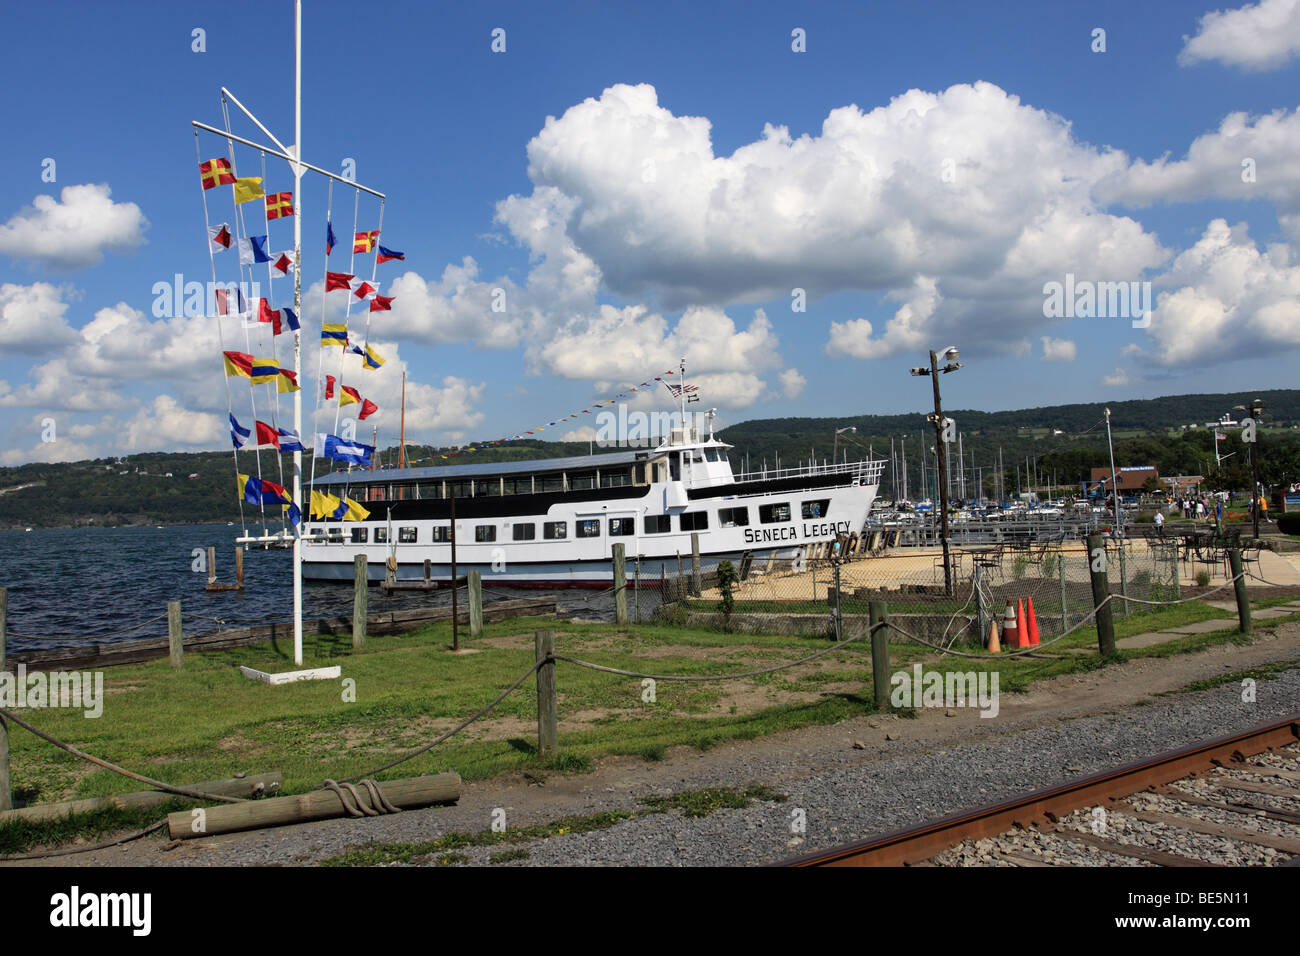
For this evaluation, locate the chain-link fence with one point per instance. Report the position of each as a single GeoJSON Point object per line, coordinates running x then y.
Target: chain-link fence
{"type": "Point", "coordinates": [829, 592]}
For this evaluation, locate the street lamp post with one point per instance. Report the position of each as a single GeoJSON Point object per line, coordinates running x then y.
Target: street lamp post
{"type": "Point", "coordinates": [1256, 409]}
{"type": "Point", "coordinates": [835, 448]}
{"type": "Point", "coordinates": [950, 356]}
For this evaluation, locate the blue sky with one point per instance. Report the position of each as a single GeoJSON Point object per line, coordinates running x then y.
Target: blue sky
{"type": "Point", "coordinates": [936, 168]}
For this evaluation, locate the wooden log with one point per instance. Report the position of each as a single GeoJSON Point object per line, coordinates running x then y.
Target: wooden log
{"type": "Point", "coordinates": [255, 786]}
{"type": "Point", "coordinates": [620, 583]}
{"type": "Point", "coordinates": [175, 638]}
{"type": "Point", "coordinates": [407, 794]}
{"type": "Point", "coordinates": [5, 800]}
{"type": "Point", "coordinates": [475, 604]}
{"type": "Point", "coordinates": [1100, 592]}
{"type": "Point", "coordinates": [548, 720]}
{"type": "Point", "coordinates": [360, 586]}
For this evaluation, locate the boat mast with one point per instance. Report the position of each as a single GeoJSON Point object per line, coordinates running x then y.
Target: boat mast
{"type": "Point", "coordinates": [401, 441]}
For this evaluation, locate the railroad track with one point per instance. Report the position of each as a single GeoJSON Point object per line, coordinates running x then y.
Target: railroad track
{"type": "Point", "coordinates": [1230, 801]}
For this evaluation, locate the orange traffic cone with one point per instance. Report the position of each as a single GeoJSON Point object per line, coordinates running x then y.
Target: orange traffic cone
{"type": "Point", "coordinates": [1024, 623]}
{"type": "Point", "coordinates": [994, 646]}
{"type": "Point", "coordinates": [1010, 626]}
{"type": "Point", "coordinates": [1032, 621]}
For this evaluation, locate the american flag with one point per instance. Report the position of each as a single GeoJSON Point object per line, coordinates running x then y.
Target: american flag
{"type": "Point", "coordinates": [677, 390]}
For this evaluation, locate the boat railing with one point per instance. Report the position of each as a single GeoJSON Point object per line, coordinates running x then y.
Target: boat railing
{"type": "Point", "coordinates": [867, 472]}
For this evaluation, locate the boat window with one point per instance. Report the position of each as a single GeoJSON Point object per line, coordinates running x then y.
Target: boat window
{"type": "Point", "coordinates": [381, 536]}
{"type": "Point", "coordinates": [487, 487]}
{"type": "Point", "coordinates": [589, 528]}
{"type": "Point", "coordinates": [615, 478]}
{"type": "Point", "coordinates": [722, 455]}
{"type": "Point", "coordinates": [695, 520]}
{"type": "Point", "coordinates": [373, 493]}
{"type": "Point", "coordinates": [621, 526]}
{"type": "Point", "coordinates": [359, 535]}
{"type": "Point", "coordinates": [658, 524]}
{"type": "Point", "coordinates": [711, 454]}
{"type": "Point", "coordinates": [458, 489]}
{"type": "Point", "coordinates": [406, 535]}
{"type": "Point", "coordinates": [440, 534]}
{"type": "Point", "coordinates": [550, 483]}
{"type": "Point", "coordinates": [582, 482]}
{"type": "Point", "coordinates": [733, 517]}
{"type": "Point", "coordinates": [485, 532]}
{"type": "Point", "coordinates": [525, 532]}
{"type": "Point", "coordinates": [674, 467]}
{"type": "Point", "coordinates": [773, 514]}
{"type": "Point", "coordinates": [335, 532]}
{"type": "Point", "coordinates": [429, 489]}
{"type": "Point", "coordinates": [555, 530]}
{"type": "Point", "coordinates": [816, 509]}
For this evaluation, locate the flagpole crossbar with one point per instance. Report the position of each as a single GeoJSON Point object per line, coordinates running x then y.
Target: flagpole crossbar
{"type": "Point", "coordinates": [285, 156]}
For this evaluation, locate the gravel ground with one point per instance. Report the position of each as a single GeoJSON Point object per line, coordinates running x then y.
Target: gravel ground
{"type": "Point", "coordinates": [848, 804]}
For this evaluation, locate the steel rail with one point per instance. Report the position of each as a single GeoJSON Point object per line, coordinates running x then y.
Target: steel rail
{"type": "Point", "coordinates": [919, 843]}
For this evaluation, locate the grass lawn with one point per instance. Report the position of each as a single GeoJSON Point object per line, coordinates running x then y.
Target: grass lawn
{"type": "Point", "coordinates": [209, 722]}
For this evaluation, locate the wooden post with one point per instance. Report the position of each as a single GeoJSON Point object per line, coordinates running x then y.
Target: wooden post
{"type": "Point", "coordinates": [5, 801]}
{"type": "Point", "coordinates": [620, 583]}
{"type": "Point", "coordinates": [636, 590]}
{"type": "Point", "coordinates": [547, 710]}
{"type": "Point", "coordinates": [360, 582]}
{"type": "Point", "coordinates": [475, 604]}
{"type": "Point", "coordinates": [1243, 604]}
{"type": "Point", "coordinates": [428, 571]}
{"type": "Point", "coordinates": [455, 613]}
{"type": "Point", "coordinates": [175, 639]}
{"type": "Point", "coordinates": [1100, 592]}
{"type": "Point", "coordinates": [1065, 611]}
{"type": "Point", "coordinates": [877, 616]}
{"type": "Point", "coordinates": [696, 588]}
{"type": "Point", "coordinates": [212, 565]}
{"type": "Point", "coordinates": [239, 567]}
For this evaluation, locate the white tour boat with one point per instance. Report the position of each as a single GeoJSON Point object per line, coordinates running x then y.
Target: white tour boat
{"type": "Point", "coordinates": [554, 522]}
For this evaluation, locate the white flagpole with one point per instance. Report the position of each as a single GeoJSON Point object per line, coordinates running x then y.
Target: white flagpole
{"type": "Point", "coordinates": [297, 335]}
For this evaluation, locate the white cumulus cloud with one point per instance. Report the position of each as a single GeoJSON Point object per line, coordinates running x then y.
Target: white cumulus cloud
{"type": "Point", "coordinates": [1059, 350]}
{"type": "Point", "coordinates": [1258, 36]}
{"type": "Point", "coordinates": [75, 230]}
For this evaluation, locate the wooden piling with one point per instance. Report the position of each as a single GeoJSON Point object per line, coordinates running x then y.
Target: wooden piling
{"type": "Point", "coordinates": [239, 567]}
{"type": "Point", "coordinates": [1239, 586]}
{"type": "Point", "coordinates": [475, 604]}
{"type": "Point", "coordinates": [877, 617]}
{"type": "Point", "coordinates": [175, 638]}
{"type": "Point", "coordinates": [360, 583]}
{"type": "Point", "coordinates": [696, 585]}
{"type": "Point", "coordinates": [620, 583]}
{"type": "Point", "coordinates": [5, 801]}
{"type": "Point", "coordinates": [212, 565]}
{"type": "Point", "coordinates": [548, 719]}
{"type": "Point", "coordinates": [1105, 618]}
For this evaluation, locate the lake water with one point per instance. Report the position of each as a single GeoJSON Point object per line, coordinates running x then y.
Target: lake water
{"type": "Point", "coordinates": [75, 583]}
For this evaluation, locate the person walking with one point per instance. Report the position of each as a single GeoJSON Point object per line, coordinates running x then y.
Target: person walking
{"type": "Point", "coordinates": [1160, 524]}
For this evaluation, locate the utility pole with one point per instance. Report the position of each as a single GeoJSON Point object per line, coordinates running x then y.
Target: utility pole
{"type": "Point", "coordinates": [1114, 481]}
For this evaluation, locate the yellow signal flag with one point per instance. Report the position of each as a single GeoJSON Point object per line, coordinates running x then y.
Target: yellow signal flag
{"type": "Point", "coordinates": [323, 505]}
{"type": "Point", "coordinates": [355, 511]}
{"type": "Point", "coordinates": [248, 189]}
